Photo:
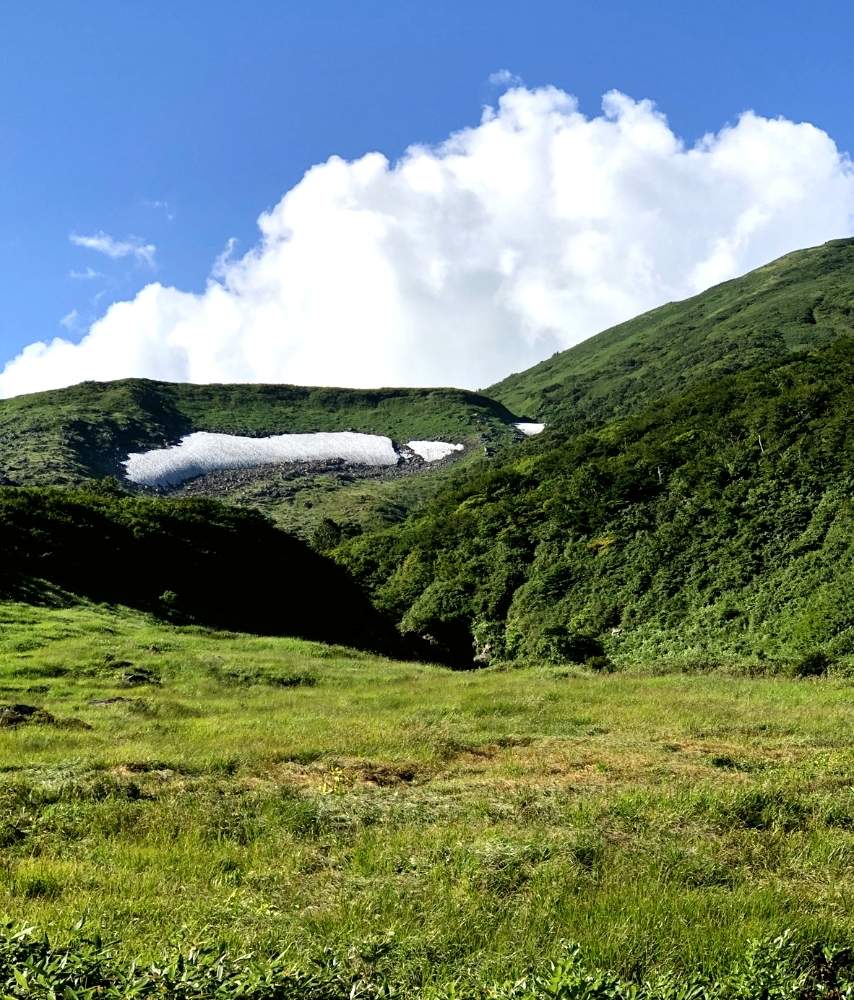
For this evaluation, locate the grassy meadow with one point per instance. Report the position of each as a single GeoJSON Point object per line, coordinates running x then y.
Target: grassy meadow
{"type": "Point", "coordinates": [431, 831]}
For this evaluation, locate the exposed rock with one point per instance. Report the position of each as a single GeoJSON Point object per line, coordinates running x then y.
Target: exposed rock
{"type": "Point", "coordinates": [483, 654]}
{"type": "Point", "coordinates": [283, 481]}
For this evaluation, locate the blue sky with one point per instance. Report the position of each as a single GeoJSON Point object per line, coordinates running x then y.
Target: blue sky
{"type": "Point", "coordinates": [176, 124]}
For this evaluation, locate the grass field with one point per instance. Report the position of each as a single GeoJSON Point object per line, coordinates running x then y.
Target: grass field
{"type": "Point", "coordinates": [421, 826]}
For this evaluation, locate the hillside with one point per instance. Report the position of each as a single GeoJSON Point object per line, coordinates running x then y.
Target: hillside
{"type": "Point", "coordinates": [713, 527]}
{"type": "Point", "coordinates": [68, 435]}
{"type": "Point", "coordinates": [689, 501]}
{"type": "Point", "coordinates": [192, 561]}
{"type": "Point", "coordinates": [795, 303]}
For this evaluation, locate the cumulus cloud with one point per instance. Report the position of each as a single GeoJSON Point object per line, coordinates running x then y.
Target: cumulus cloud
{"type": "Point", "coordinates": [462, 262]}
{"type": "Point", "coordinates": [102, 242]}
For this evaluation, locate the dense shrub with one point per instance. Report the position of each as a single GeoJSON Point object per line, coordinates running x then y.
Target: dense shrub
{"type": "Point", "coordinates": [664, 535]}
{"type": "Point", "coordinates": [190, 560]}
{"type": "Point", "coordinates": [35, 968]}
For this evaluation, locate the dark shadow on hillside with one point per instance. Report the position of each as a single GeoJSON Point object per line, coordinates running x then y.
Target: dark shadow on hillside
{"type": "Point", "coordinates": [186, 560]}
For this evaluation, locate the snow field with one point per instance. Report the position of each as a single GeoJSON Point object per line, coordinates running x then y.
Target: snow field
{"type": "Point", "coordinates": [203, 452]}
{"type": "Point", "coordinates": [432, 451]}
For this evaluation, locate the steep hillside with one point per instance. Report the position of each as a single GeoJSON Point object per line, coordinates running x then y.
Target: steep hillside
{"type": "Point", "coordinates": [714, 526]}
{"type": "Point", "coordinates": [690, 499]}
{"type": "Point", "coordinates": [68, 435]}
{"type": "Point", "coordinates": [797, 302]}
{"type": "Point", "coordinates": [194, 561]}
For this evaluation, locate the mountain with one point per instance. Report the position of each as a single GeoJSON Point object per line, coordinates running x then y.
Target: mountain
{"type": "Point", "coordinates": [66, 436]}
{"type": "Point", "coordinates": [69, 436]}
{"type": "Point", "coordinates": [795, 303]}
{"type": "Point", "coordinates": [689, 502]}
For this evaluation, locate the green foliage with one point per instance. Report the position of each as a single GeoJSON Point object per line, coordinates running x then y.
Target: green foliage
{"type": "Point", "coordinates": [688, 505]}
{"type": "Point", "coordinates": [189, 560]}
{"type": "Point", "coordinates": [327, 535]}
{"type": "Point", "coordinates": [86, 967]}
{"type": "Point", "coordinates": [716, 525]}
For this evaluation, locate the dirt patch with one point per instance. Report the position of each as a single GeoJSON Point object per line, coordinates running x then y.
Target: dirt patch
{"type": "Point", "coordinates": [342, 775]}
{"type": "Point", "coordinates": [14, 715]}
{"type": "Point", "coordinates": [19, 715]}
{"type": "Point", "coordinates": [154, 771]}
{"type": "Point", "coordinates": [138, 677]}
{"type": "Point", "coordinates": [385, 775]}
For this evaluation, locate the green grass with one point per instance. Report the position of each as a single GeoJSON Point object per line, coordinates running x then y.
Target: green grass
{"type": "Point", "coordinates": [800, 301]}
{"type": "Point", "coordinates": [423, 826]}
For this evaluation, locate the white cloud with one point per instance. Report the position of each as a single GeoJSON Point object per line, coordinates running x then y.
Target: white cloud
{"type": "Point", "coordinates": [460, 263]}
{"type": "Point", "coordinates": [102, 242]}
{"type": "Point", "coordinates": [88, 275]}
{"type": "Point", "coordinates": [69, 320]}
{"type": "Point", "coordinates": [504, 78]}
{"type": "Point", "coordinates": [224, 260]}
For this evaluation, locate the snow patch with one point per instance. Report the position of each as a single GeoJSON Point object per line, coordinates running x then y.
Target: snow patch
{"type": "Point", "coordinates": [203, 452]}
{"type": "Point", "coordinates": [432, 451]}
{"type": "Point", "coordinates": [530, 429]}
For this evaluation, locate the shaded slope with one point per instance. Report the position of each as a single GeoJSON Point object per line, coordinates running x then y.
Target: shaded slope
{"type": "Point", "coordinates": [799, 301]}
{"type": "Point", "coordinates": [188, 560]}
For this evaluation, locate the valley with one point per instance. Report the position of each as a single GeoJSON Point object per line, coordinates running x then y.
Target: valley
{"type": "Point", "coordinates": [558, 705]}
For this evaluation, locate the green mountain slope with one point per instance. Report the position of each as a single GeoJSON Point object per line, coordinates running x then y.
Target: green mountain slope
{"type": "Point", "coordinates": [194, 561]}
{"type": "Point", "coordinates": [690, 499]}
{"type": "Point", "coordinates": [715, 526]}
{"type": "Point", "coordinates": [799, 301]}
{"type": "Point", "coordinates": [68, 435]}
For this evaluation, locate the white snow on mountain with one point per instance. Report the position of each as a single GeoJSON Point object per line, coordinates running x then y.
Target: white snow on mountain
{"type": "Point", "coordinates": [203, 452]}
{"type": "Point", "coordinates": [530, 429]}
{"type": "Point", "coordinates": [432, 451]}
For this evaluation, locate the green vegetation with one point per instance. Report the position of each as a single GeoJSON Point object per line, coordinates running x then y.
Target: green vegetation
{"type": "Point", "coordinates": [796, 303]}
{"type": "Point", "coordinates": [188, 560]}
{"type": "Point", "coordinates": [714, 527]}
{"type": "Point", "coordinates": [300, 501]}
{"type": "Point", "coordinates": [409, 829]}
{"type": "Point", "coordinates": [690, 498]}
{"type": "Point", "coordinates": [68, 435]}
{"type": "Point", "coordinates": [644, 795]}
